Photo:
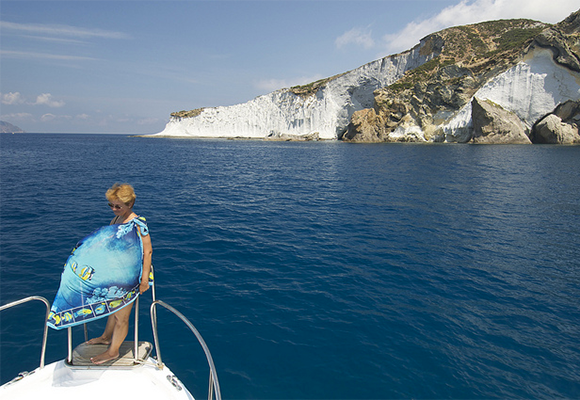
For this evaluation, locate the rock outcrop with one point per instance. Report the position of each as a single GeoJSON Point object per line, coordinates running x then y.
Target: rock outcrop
{"type": "Point", "coordinates": [494, 125]}
{"type": "Point", "coordinates": [525, 68]}
{"type": "Point", "coordinates": [562, 40]}
{"type": "Point", "coordinates": [560, 126]}
{"type": "Point", "coordinates": [366, 126]}
{"type": "Point", "coordinates": [284, 137]}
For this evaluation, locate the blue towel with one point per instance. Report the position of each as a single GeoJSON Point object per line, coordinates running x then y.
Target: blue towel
{"type": "Point", "coordinates": [101, 276]}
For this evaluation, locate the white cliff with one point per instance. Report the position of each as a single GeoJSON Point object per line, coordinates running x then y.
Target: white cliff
{"type": "Point", "coordinates": [524, 67]}
{"type": "Point", "coordinates": [283, 113]}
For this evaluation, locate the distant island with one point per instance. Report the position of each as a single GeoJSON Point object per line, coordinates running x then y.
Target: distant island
{"type": "Point", "coordinates": [6, 127]}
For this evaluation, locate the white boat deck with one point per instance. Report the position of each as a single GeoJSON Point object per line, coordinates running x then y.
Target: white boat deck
{"type": "Point", "coordinates": [142, 377]}
{"type": "Point", "coordinates": [82, 355]}
{"type": "Point", "coordinates": [119, 379]}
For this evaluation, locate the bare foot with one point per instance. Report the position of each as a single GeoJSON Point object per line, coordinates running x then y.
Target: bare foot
{"type": "Point", "coordinates": [103, 358]}
{"type": "Point", "coordinates": [99, 340]}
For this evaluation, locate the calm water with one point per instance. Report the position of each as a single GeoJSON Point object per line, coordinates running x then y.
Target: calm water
{"type": "Point", "coordinates": [319, 270]}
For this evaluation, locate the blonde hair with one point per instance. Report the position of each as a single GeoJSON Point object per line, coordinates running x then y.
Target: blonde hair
{"type": "Point", "coordinates": [123, 192]}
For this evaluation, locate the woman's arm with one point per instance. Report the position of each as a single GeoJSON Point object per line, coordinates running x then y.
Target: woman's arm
{"type": "Point", "coordinates": [147, 253]}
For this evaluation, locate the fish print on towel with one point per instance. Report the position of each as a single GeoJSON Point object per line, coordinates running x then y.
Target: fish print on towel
{"type": "Point", "coordinates": [101, 275]}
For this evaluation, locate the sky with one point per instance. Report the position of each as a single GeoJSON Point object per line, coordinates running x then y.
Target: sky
{"type": "Point", "coordinates": [124, 66]}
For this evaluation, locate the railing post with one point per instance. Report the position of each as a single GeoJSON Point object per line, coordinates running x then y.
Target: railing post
{"type": "Point", "coordinates": [210, 389]}
{"type": "Point", "coordinates": [45, 333]}
{"type": "Point", "coordinates": [69, 358]}
{"type": "Point", "coordinates": [153, 313]}
{"type": "Point", "coordinates": [136, 344]}
{"type": "Point", "coordinates": [213, 373]}
{"type": "Point", "coordinates": [153, 295]}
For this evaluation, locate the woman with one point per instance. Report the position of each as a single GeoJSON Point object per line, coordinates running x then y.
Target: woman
{"type": "Point", "coordinates": [121, 200]}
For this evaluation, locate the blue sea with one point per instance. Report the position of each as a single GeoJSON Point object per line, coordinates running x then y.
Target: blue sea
{"type": "Point", "coordinates": [317, 270]}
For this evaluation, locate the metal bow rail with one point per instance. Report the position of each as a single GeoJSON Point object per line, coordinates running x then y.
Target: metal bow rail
{"type": "Point", "coordinates": [214, 388]}
{"type": "Point", "coordinates": [45, 334]}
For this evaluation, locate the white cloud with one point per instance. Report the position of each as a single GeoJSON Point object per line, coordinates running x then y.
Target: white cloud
{"type": "Point", "coordinates": [17, 117]}
{"type": "Point", "coordinates": [12, 98]}
{"type": "Point", "coordinates": [46, 99]}
{"type": "Point", "coordinates": [469, 12]}
{"type": "Point", "coordinates": [43, 30]}
{"type": "Point", "coordinates": [48, 117]}
{"type": "Point", "coordinates": [356, 37]}
{"type": "Point", "coordinates": [270, 85]}
{"type": "Point", "coordinates": [45, 56]}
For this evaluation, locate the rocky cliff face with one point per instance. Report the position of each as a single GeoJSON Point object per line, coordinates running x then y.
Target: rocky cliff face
{"type": "Point", "coordinates": [521, 67]}
{"type": "Point", "coordinates": [321, 109]}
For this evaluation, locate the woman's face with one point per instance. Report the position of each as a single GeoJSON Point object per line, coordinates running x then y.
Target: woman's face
{"type": "Point", "coordinates": [118, 207]}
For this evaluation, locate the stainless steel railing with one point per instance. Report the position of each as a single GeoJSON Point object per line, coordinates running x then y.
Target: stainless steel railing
{"type": "Point", "coordinates": [45, 334]}
{"type": "Point", "coordinates": [214, 387]}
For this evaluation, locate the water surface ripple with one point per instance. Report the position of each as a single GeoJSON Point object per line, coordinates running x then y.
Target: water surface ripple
{"type": "Point", "coordinates": [320, 270]}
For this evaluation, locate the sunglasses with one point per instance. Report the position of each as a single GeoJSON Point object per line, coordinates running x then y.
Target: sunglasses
{"type": "Point", "coordinates": [115, 206]}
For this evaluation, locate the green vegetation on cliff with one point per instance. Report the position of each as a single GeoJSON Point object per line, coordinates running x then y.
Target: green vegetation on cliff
{"type": "Point", "coordinates": [311, 88]}
{"type": "Point", "coordinates": [475, 49]}
{"type": "Point", "coordinates": [187, 114]}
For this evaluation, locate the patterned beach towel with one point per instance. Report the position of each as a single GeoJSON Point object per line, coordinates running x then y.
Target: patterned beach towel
{"type": "Point", "coordinates": [101, 276]}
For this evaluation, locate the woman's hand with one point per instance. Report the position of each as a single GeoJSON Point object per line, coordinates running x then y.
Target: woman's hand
{"type": "Point", "coordinates": [144, 286]}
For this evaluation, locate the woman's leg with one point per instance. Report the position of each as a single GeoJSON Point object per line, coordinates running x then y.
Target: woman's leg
{"type": "Point", "coordinates": [105, 338]}
{"type": "Point", "coordinates": [120, 327]}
